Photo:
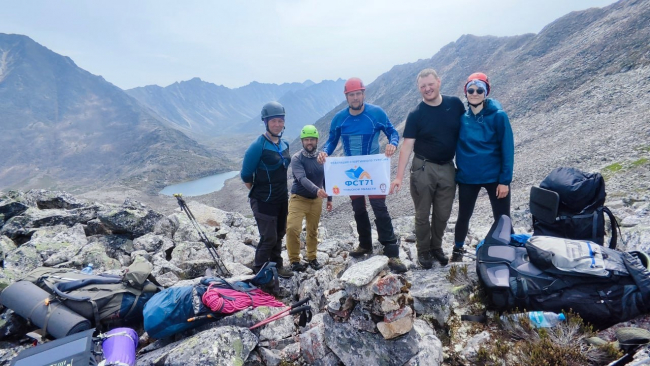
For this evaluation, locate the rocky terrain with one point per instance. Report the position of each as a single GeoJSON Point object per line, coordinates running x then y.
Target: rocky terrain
{"type": "Point", "coordinates": [576, 94]}
{"type": "Point", "coordinates": [362, 312]}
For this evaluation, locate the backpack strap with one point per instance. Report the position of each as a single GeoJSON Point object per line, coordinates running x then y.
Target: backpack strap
{"type": "Point", "coordinates": [615, 226]}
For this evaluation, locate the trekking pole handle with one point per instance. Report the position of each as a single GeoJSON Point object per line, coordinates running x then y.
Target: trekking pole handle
{"type": "Point", "coordinates": [301, 302]}
{"type": "Point", "coordinates": [300, 309]}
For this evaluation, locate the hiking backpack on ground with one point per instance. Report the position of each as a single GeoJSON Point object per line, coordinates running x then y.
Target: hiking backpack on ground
{"type": "Point", "coordinates": [177, 309]}
{"type": "Point", "coordinates": [570, 204]}
{"type": "Point", "coordinates": [549, 274]}
{"type": "Point", "coordinates": [101, 299]}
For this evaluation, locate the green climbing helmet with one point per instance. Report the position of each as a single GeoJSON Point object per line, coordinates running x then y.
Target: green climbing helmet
{"type": "Point", "coordinates": [309, 131]}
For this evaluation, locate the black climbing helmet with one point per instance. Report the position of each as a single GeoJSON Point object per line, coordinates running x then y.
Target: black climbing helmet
{"type": "Point", "coordinates": [272, 109]}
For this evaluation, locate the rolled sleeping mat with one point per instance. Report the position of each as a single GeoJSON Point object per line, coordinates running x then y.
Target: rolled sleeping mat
{"type": "Point", "coordinates": [28, 300]}
{"type": "Point", "coordinates": [119, 347]}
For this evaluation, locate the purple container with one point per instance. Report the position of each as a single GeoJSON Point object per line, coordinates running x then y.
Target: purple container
{"type": "Point", "coordinates": [119, 347]}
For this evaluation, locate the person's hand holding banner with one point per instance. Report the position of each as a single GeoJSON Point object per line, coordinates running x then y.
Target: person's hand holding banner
{"type": "Point", "coordinates": [357, 175]}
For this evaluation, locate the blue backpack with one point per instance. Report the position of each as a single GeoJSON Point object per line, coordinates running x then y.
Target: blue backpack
{"type": "Point", "coordinates": [177, 309]}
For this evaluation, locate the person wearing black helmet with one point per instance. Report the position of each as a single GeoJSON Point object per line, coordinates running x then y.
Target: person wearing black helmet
{"type": "Point", "coordinates": [431, 132]}
{"type": "Point", "coordinates": [359, 126]}
{"type": "Point", "coordinates": [264, 172]}
{"type": "Point", "coordinates": [484, 156]}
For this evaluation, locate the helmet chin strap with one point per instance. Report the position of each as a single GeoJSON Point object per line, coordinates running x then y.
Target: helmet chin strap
{"type": "Point", "coordinates": [271, 133]}
{"type": "Point", "coordinates": [475, 105]}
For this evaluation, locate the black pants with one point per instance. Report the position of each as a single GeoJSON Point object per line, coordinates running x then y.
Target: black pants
{"type": "Point", "coordinates": [272, 224]}
{"type": "Point", "coordinates": [382, 221]}
{"type": "Point", "coordinates": [467, 195]}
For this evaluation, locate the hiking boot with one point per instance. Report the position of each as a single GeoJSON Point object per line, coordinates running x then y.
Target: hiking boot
{"type": "Point", "coordinates": [440, 256]}
{"type": "Point", "coordinates": [396, 265]}
{"type": "Point", "coordinates": [457, 254]}
{"type": "Point", "coordinates": [314, 264]}
{"type": "Point", "coordinates": [298, 267]}
{"type": "Point", "coordinates": [284, 272]}
{"type": "Point", "coordinates": [425, 260]}
{"type": "Point", "coordinates": [360, 252]}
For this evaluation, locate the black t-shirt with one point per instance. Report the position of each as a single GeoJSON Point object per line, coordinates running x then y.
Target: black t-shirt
{"type": "Point", "coordinates": [435, 129]}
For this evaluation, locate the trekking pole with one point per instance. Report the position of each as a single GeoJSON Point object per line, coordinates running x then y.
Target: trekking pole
{"type": "Point", "coordinates": [212, 248]}
{"type": "Point", "coordinates": [289, 310]}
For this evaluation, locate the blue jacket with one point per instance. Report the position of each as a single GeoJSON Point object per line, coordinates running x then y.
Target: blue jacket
{"type": "Point", "coordinates": [360, 133]}
{"type": "Point", "coordinates": [265, 166]}
{"type": "Point", "coordinates": [486, 149]}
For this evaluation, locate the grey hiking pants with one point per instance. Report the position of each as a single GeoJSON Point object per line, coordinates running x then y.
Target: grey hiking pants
{"type": "Point", "coordinates": [433, 188]}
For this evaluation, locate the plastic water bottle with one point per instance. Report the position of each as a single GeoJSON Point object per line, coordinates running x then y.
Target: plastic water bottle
{"type": "Point", "coordinates": [539, 319]}
{"type": "Point", "coordinates": [88, 269]}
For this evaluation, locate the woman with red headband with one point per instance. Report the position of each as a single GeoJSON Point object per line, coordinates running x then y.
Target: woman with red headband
{"type": "Point", "coordinates": [484, 157]}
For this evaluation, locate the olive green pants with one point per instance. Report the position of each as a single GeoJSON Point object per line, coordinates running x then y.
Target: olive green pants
{"type": "Point", "coordinates": [433, 188]}
{"type": "Point", "coordinates": [299, 208]}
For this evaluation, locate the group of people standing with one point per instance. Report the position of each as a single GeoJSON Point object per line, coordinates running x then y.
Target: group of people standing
{"type": "Point", "coordinates": [436, 131]}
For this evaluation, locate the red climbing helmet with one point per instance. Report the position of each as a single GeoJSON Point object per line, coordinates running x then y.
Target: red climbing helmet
{"type": "Point", "coordinates": [353, 84]}
{"type": "Point", "coordinates": [479, 76]}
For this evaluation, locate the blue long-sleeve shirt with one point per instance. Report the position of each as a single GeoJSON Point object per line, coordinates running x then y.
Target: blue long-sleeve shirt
{"type": "Point", "coordinates": [485, 152]}
{"type": "Point", "coordinates": [360, 134]}
{"type": "Point", "coordinates": [265, 166]}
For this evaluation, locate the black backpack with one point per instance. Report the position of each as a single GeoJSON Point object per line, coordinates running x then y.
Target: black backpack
{"type": "Point", "coordinates": [570, 204]}
{"type": "Point", "coordinates": [530, 278]}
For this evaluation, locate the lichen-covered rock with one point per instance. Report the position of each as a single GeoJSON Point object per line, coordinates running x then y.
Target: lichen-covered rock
{"type": "Point", "coordinates": [130, 221]}
{"type": "Point", "coordinates": [390, 284]}
{"type": "Point", "coordinates": [95, 253]}
{"type": "Point", "coordinates": [361, 319]}
{"type": "Point", "coordinates": [361, 273]}
{"type": "Point", "coordinates": [429, 346]}
{"type": "Point", "coordinates": [10, 208]}
{"type": "Point", "coordinates": [226, 345]}
{"type": "Point", "coordinates": [6, 246]}
{"type": "Point", "coordinates": [313, 347]}
{"type": "Point", "coordinates": [152, 243]}
{"type": "Point", "coordinates": [46, 200]}
{"type": "Point", "coordinates": [57, 244]}
{"type": "Point", "coordinates": [470, 351]}
{"type": "Point", "coordinates": [355, 347]}
{"type": "Point", "coordinates": [432, 293]}
{"type": "Point", "coordinates": [270, 357]}
{"type": "Point", "coordinates": [8, 276]}
{"type": "Point", "coordinates": [23, 259]}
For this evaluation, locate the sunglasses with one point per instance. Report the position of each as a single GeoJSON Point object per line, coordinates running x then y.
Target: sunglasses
{"type": "Point", "coordinates": [478, 91]}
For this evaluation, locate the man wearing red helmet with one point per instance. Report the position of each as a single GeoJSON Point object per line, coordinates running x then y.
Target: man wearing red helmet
{"type": "Point", "coordinates": [431, 132]}
{"type": "Point", "coordinates": [359, 126]}
{"type": "Point", "coordinates": [484, 156]}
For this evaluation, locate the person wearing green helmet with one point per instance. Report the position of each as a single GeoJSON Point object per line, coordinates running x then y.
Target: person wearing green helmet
{"type": "Point", "coordinates": [306, 201]}
{"type": "Point", "coordinates": [264, 172]}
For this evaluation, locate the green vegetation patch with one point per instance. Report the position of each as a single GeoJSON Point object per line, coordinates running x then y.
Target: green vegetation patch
{"type": "Point", "coordinates": [613, 168]}
{"type": "Point", "coordinates": [639, 162]}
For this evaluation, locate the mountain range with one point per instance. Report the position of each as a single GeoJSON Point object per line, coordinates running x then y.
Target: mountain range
{"type": "Point", "coordinates": [201, 108]}
{"type": "Point", "coordinates": [65, 128]}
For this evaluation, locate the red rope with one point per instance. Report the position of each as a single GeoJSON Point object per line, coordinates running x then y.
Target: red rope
{"type": "Point", "coordinates": [227, 301]}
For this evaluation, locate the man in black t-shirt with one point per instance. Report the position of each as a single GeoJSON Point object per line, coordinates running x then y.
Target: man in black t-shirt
{"type": "Point", "coordinates": [431, 132]}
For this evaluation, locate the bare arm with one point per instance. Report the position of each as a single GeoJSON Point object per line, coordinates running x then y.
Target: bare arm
{"type": "Point", "coordinates": [404, 155]}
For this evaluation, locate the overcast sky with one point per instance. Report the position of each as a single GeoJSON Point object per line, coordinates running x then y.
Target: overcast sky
{"type": "Point", "coordinates": [136, 43]}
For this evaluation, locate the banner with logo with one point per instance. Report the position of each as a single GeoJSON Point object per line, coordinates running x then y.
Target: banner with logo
{"type": "Point", "coordinates": [357, 175]}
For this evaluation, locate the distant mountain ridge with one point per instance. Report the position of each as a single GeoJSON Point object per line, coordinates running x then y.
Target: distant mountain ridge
{"type": "Point", "coordinates": [201, 108]}
{"type": "Point", "coordinates": [65, 127]}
